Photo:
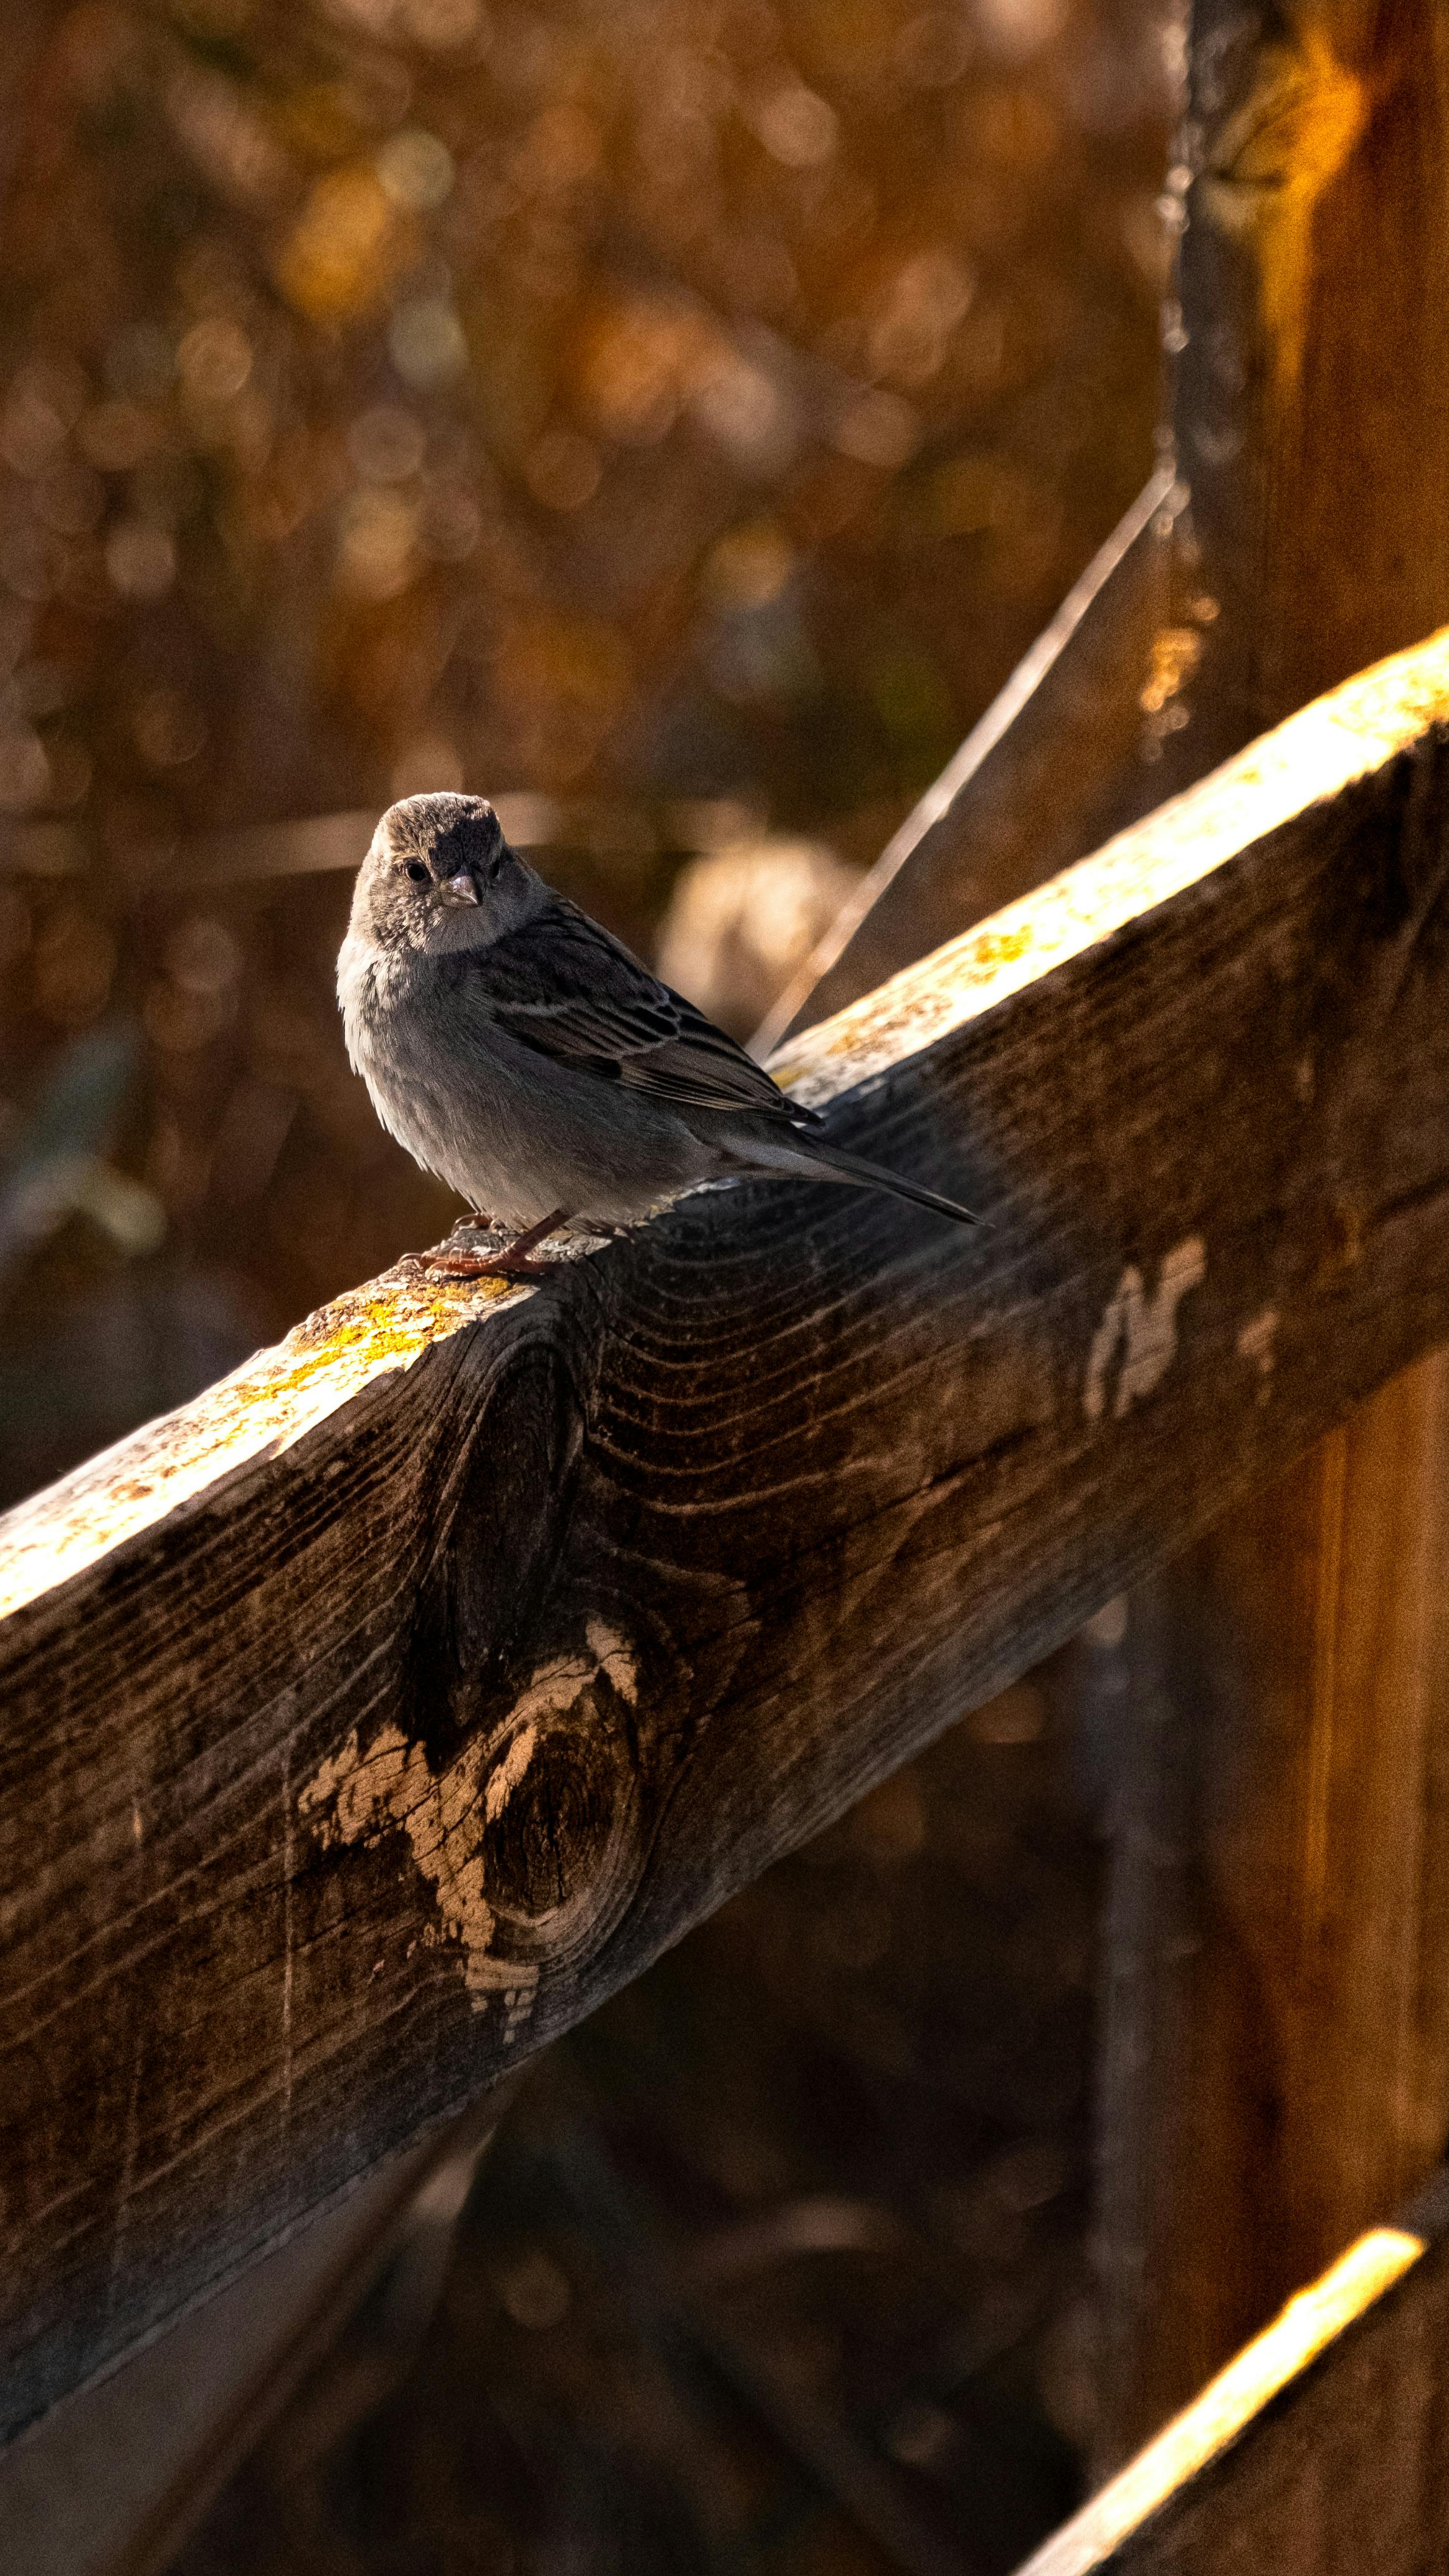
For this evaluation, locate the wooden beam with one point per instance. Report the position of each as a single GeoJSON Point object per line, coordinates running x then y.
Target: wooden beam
{"type": "Point", "coordinates": [1321, 2450]}
{"type": "Point", "coordinates": [374, 1717]}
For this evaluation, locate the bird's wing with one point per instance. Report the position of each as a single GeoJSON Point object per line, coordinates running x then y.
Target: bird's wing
{"type": "Point", "coordinates": [567, 989]}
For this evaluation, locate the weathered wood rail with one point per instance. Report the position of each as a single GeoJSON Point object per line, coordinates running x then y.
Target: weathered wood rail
{"type": "Point", "coordinates": [372, 1718]}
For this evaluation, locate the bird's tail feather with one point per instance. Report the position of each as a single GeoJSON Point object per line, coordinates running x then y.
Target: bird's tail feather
{"type": "Point", "coordinates": [868, 1176]}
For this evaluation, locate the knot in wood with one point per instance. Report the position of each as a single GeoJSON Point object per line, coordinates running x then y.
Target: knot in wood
{"type": "Point", "coordinates": [527, 1837]}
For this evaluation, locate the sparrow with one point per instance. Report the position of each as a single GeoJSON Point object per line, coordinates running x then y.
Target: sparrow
{"type": "Point", "coordinates": [521, 1052]}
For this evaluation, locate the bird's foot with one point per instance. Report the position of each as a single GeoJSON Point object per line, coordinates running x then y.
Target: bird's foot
{"type": "Point", "coordinates": [443, 1262]}
{"type": "Point", "coordinates": [513, 1262]}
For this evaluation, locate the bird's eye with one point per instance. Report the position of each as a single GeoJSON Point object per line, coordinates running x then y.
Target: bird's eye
{"type": "Point", "coordinates": [417, 872]}
{"type": "Point", "coordinates": [495, 868]}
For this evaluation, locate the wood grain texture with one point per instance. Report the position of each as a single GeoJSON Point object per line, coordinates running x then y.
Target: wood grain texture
{"type": "Point", "coordinates": [372, 1719]}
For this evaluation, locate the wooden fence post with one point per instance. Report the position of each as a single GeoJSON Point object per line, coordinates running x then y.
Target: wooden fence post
{"type": "Point", "coordinates": [1295, 1938]}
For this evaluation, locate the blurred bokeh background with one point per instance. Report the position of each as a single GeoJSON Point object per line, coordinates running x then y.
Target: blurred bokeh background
{"type": "Point", "coordinates": [672, 418]}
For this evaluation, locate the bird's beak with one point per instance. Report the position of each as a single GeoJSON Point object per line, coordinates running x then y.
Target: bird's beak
{"type": "Point", "coordinates": [459, 889]}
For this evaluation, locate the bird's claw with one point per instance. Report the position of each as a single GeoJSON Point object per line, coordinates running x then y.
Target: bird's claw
{"type": "Point", "coordinates": [445, 1263]}
{"type": "Point", "coordinates": [512, 1260]}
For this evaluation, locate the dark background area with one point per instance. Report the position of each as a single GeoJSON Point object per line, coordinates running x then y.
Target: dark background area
{"type": "Point", "coordinates": [673, 419]}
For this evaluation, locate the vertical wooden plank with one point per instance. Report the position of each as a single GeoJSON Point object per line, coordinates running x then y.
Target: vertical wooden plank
{"type": "Point", "coordinates": [1314, 356]}
{"type": "Point", "coordinates": [1338, 1578]}
{"type": "Point", "coordinates": [1283, 2075]}
{"type": "Point", "coordinates": [1276, 2012]}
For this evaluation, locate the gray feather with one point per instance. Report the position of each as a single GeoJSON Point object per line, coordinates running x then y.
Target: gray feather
{"type": "Point", "coordinates": [565, 987]}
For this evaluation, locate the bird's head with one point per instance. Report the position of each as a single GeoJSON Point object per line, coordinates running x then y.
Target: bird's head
{"type": "Point", "coordinates": [440, 875]}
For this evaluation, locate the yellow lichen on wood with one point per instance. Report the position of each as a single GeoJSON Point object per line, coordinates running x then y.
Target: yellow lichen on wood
{"type": "Point", "coordinates": [1267, 168]}
{"type": "Point", "coordinates": [262, 1408]}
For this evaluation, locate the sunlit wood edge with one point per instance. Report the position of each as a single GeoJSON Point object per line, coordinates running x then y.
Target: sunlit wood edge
{"type": "Point", "coordinates": [283, 1392]}
{"type": "Point", "coordinates": [1308, 2325]}
{"type": "Point", "coordinates": [1344, 736]}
